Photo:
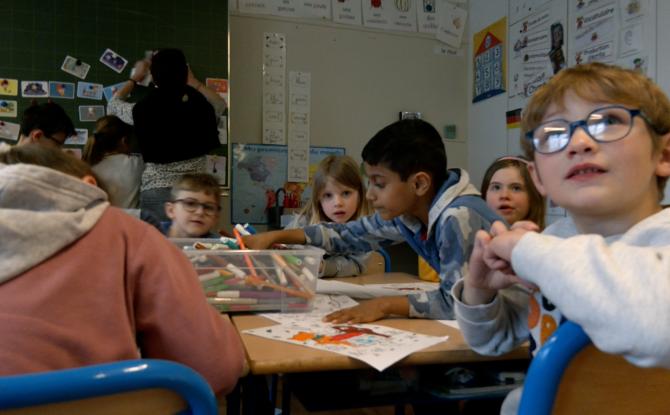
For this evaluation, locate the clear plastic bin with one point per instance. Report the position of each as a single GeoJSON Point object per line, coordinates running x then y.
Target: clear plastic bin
{"type": "Point", "coordinates": [255, 280]}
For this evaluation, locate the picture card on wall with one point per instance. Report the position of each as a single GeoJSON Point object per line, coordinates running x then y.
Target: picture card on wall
{"type": "Point", "coordinates": [9, 130]}
{"type": "Point", "coordinates": [61, 90]}
{"type": "Point", "coordinates": [9, 87]}
{"type": "Point", "coordinates": [89, 90]}
{"type": "Point", "coordinates": [33, 89]}
{"type": "Point", "coordinates": [78, 139]}
{"type": "Point", "coordinates": [113, 60]}
{"type": "Point", "coordinates": [7, 108]}
{"type": "Point", "coordinates": [91, 113]}
{"type": "Point", "coordinates": [75, 67]}
{"type": "Point", "coordinates": [110, 90]}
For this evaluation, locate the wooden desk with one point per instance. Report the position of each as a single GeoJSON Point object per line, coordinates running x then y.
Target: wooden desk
{"type": "Point", "coordinates": [266, 356]}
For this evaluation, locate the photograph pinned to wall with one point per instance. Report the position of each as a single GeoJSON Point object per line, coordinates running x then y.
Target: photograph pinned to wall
{"type": "Point", "coordinates": [91, 113]}
{"type": "Point", "coordinates": [113, 60]}
{"type": "Point", "coordinates": [9, 130]}
{"type": "Point", "coordinates": [74, 152]}
{"type": "Point", "coordinates": [34, 89]}
{"type": "Point", "coordinates": [216, 165]}
{"type": "Point", "coordinates": [75, 67]}
{"type": "Point", "coordinates": [9, 87]}
{"type": "Point", "coordinates": [89, 90]}
{"type": "Point", "coordinates": [8, 108]}
{"type": "Point", "coordinates": [80, 138]}
{"type": "Point", "coordinates": [490, 62]}
{"type": "Point", "coordinates": [110, 90]}
{"type": "Point", "coordinates": [61, 90]}
{"type": "Point", "coordinates": [633, 9]}
{"type": "Point", "coordinates": [218, 85]}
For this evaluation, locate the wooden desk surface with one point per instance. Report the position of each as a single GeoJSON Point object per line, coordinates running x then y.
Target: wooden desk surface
{"type": "Point", "coordinates": [267, 356]}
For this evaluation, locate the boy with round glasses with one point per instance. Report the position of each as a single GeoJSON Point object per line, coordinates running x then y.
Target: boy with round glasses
{"type": "Point", "coordinates": [599, 137]}
{"type": "Point", "coordinates": [194, 207]}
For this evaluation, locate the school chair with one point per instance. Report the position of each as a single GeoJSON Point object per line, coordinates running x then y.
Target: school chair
{"type": "Point", "coordinates": [570, 376]}
{"type": "Point", "coordinates": [378, 262]}
{"type": "Point", "coordinates": [127, 387]}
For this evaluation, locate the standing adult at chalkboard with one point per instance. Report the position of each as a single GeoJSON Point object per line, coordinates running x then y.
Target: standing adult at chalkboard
{"type": "Point", "coordinates": [175, 126]}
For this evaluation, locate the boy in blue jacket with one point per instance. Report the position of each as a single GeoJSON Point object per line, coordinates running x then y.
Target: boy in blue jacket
{"type": "Point", "coordinates": [417, 200]}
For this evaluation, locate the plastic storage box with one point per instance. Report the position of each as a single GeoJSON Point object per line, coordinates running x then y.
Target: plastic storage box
{"type": "Point", "coordinates": [254, 280]}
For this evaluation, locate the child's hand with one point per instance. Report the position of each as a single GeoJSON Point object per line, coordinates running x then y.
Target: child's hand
{"type": "Point", "coordinates": [258, 241]}
{"type": "Point", "coordinates": [503, 242]}
{"type": "Point", "coordinates": [365, 312]}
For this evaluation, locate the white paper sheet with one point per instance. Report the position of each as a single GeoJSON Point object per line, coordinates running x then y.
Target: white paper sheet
{"type": "Point", "coordinates": [375, 345]}
{"type": "Point", "coordinates": [325, 286]}
{"type": "Point", "coordinates": [274, 87]}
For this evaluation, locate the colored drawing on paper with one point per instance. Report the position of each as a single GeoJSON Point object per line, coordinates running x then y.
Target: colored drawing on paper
{"type": "Point", "coordinates": [378, 346]}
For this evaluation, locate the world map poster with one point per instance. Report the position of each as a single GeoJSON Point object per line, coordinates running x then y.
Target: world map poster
{"type": "Point", "coordinates": [259, 171]}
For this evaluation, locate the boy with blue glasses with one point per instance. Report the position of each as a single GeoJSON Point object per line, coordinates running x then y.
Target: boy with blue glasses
{"type": "Point", "coordinates": [599, 137]}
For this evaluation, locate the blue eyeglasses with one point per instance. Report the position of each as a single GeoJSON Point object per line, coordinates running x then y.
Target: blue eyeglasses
{"type": "Point", "coordinates": [603, 125]}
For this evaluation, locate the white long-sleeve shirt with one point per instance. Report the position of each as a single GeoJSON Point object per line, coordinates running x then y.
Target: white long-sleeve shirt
{"type": "Point", "coordinates": [617, 288]}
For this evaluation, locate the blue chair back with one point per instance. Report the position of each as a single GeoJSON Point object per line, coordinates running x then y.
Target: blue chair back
{"type": "Point", "coordinates": [20, 391]}
{"type": "Point", "coordinates": [387, 259]}
{"type": "Point", "coordinates": [547, 367]}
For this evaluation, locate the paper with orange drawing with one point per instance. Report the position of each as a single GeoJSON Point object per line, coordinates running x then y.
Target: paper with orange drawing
{"type": "Point", "coordinates": [375, 345]}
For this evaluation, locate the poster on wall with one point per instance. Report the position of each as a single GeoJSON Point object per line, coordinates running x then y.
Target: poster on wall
{"type": "Point", "coordinates": [259, 171]}
{"type": "Point", "coordinates": [489, 61]}
{"type": "Point", "coordinates": [537, 51]}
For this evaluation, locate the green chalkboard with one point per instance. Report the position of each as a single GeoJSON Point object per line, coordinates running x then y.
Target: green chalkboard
{"type": "Point", "coordinates": [36, 36]}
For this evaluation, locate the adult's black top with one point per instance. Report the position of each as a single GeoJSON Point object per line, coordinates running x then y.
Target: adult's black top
{"type": "Point", "coordinates": [174, 127]}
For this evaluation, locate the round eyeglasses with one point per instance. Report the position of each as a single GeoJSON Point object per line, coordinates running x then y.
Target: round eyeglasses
{"type": "Point", "coordinates": [191, 205]}
{"type": "Point", "coordinates": [604, 125]}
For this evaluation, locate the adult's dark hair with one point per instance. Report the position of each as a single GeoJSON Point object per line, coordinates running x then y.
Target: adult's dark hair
{"type": "Point", "coordinates": [110, 131]}
{"type": "Point", "coordinates": [407, 147]}
{"type": "Point", "coordinates": [49, 117]}
{"type": "Point", "coordinates": [169, 69]}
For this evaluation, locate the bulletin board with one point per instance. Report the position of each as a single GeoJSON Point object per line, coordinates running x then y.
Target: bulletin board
{"type": "Point", "coordinates": [259, 170]}
{"type": "Point", "coordinates": [38, 35]}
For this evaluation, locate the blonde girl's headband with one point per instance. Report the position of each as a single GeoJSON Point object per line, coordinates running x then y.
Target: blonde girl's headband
{"type": "Point", "coordinates": [519, 159]}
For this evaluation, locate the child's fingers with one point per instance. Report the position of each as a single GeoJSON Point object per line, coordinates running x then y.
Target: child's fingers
{"type": "Point", "coordinates": [527, 225]}
{"type": "Point", "coordinates": [497, 228]}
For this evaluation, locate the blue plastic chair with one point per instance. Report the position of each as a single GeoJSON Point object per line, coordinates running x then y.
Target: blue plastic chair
{"type": "Point", "coordinates": [387, 259]}
{"type": "Point", "coordinates": [569, 375]}
{"type": "Point", "coordinates": [29, 390]}
{"type": "Point", "coordinates": [547, 367]}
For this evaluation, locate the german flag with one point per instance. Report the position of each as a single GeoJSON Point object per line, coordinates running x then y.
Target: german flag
{"type": "Point", "coordinates": [513, 118]}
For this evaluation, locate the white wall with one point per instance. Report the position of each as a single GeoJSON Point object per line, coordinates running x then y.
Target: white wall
{"type": "Point", "coordinates": [360, 78]}
{"type": "Point", "coordinates": [486, 119]}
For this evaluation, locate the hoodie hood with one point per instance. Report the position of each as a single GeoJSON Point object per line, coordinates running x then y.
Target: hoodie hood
{"type": "Point", "coordinates": [457, 185]}
{"type": "Point", "coordinates": [41, 212]}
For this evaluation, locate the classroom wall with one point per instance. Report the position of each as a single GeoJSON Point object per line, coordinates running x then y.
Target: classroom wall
{"type": "Point", "coordinates": [486, 119]}
{"type": "Point", "coordinates": [360, 79]}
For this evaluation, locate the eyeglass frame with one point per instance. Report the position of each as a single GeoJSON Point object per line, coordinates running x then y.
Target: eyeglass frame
{"type": "Point", "coordinates": [572, 127]}
{"type": "Point", "coordinates": [198, 205]}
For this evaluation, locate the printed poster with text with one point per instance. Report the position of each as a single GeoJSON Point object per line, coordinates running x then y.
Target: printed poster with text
{"type": "Point", "coordinates": [489, 61]}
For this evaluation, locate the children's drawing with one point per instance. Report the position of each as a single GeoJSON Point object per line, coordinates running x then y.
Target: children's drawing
{"type": "Point", "coordinates": [378, 346]}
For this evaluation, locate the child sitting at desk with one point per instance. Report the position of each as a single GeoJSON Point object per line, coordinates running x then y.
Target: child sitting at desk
{"type": "Point", "coordinates": [338, 196]}
{"type": "Point", "coordinates": [83, 283]}
{"type": "Point", "coordinates": [437, 211]}
{"type": "Point", "coordinates": [599, 138]}
{"type": "Point", "coordinates": [194, 207]}
{"type": "Point", "coordinates": [509, 191]}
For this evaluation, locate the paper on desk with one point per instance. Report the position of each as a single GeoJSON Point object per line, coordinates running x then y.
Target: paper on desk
{"type": "Point", "coordinates": [375, 345]}
{"type": "Point", "coordinates": [323, 304]}
{"type": "Point", "coordinates": [325, 286]}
